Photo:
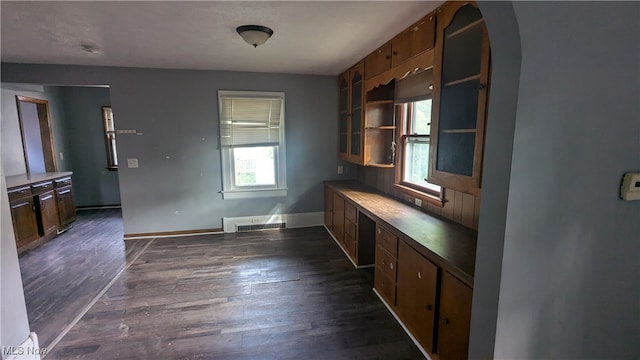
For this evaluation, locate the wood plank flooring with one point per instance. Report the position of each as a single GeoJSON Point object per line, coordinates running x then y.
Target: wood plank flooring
{"type": "Point", "coordinates": [283, 294]}
{"type": "Point", "coordinates": [63, 275]}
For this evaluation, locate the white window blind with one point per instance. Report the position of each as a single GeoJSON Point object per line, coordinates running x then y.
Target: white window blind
{"type": "Point", "coordinates": [250, 121]}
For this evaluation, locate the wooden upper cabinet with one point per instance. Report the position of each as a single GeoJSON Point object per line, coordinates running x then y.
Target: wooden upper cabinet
{"type": "Point", "coordinates": [460, 94]}
{"type": "Point", "coordinates": [378, 61]}
{"type": "Point", "coordinates": [343, 116]}
{"type": "Point", "coordinates": [417, 38]}
{"type": "Point", "coordinates": [351, 114]}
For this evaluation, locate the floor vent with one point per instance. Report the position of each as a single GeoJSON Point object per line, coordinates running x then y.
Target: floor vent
{"type": "Point", "coordinates": [254, 227]}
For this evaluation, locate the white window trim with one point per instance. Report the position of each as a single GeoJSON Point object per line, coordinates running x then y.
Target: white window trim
{"type": "Point", "coordinates": [229, 191]}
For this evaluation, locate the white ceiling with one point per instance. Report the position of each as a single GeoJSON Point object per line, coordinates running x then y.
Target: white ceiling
{"type": "Point", "coordinates": [310, 37]}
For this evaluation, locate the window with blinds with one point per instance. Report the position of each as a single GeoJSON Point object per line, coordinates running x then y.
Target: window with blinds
{"type": "Point", "coordinates": [252, 144]}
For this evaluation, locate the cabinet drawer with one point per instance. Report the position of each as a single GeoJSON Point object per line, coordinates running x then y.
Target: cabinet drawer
{"type": "Point", "coordinates": [350, 212]}
{"type": "Point", "coordinates": [386, 263]}
{"type": "Point", "coordinates": [351, 229]}
{"type": "Point", "coordinates": [42, 187]}
{"type": "Point", "coordinates": [18, 193]}
{"type": "Point", "coordinates": [385, 287]}
{"type": "Point", "coordinates": [350, 245]}
{"type": "Point", "coordinates": [387, 241]}
{"type": "Point", "coordinates": [62, 182]}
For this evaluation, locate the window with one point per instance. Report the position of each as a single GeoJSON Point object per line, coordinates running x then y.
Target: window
{"type": "Point", "coordinates": [110, 138]}
{"type": "Point", "coordinates": [252, 144]}
{"type": "Point", "coordinates": [413, 112]}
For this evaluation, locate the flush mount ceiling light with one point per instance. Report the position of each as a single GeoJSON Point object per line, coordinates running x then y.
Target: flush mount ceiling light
{"type": "Point", "coordinates": [254, 34]}
{"type": "Point", "coordinates": [89, 48]}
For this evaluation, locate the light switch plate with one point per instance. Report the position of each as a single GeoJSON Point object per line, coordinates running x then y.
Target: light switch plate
{"type": "Point", "coordinates": [630, 189]}
{"type": "Point", "coordinates": [418, 202]}
{"type": "Point", "coordinates": [132, 163]}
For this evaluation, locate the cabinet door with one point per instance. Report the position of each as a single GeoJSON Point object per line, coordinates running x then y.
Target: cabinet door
{"type": "Point", "coordinates": [23, 216]}
{"type": "Point", "coordinates": [378, 61]}
{"type": "Point", "coordinates": [455, 319]}
{"type": "Point", "coordinates": [66, 206]}
{"type": "Point", "coordinates": [328, 208]}
{"type": "Point", "coordinates": [48, 212]}
{"type": "Point", "coordinates": [343, 116]}
{"type": "Point", "coordinates": [416, 294]}
{"type": "Point", "coordinates": [461, 75]}
{"type": "Point", "coordinates": [414, 40]}
{"type": "Point", "coordinates": [356, 143]}
{"type": "Point", "coordinates": [338, 218]}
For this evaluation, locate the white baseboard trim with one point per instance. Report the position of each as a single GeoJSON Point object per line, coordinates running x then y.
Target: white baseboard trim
{"type": "Point", "coordinates": [230, 224]}
{"type": "Point", "coordinates": [28, 350]}
{"type": "Point", "coordinates": [415, 341]}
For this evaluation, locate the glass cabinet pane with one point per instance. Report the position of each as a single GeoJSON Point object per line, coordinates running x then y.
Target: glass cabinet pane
{"type": "Point", "coordinates": [455, 153]}
{"type": "Point", "coordinates": [459, 106]}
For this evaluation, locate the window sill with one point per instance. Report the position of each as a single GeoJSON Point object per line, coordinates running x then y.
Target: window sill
{"type": "Point", "coordinates": [252, 194]}
{"type": "Point", "coordinates": [425, 197]}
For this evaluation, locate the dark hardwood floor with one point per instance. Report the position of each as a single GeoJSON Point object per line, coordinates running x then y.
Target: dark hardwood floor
{"type": "Point", "coordinates": [283, 294]}
{"type": "Point", "coordinates": [63, 275]}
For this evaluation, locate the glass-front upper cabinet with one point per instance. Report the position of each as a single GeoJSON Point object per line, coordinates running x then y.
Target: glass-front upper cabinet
{"type": "Point", "coordinates": [357, 96]}
{"type": "Point", "coordinates": [343, 117]}
{"type": "Point", "coordinates": [461, 68]}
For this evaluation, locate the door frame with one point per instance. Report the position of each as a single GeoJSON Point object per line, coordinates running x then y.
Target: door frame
{"type": "Point", "coordinates": [46, 135]}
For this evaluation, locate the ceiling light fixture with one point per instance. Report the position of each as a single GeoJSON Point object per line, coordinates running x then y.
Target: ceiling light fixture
{"type": "Point", "coordinates": [89, 48]}
{"type": "Point", "coordinates": [254, 34]}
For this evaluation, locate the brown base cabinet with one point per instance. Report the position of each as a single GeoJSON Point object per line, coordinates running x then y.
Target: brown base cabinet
{"type": "Point", "coordinates": [416, 298]}
{"type": "Point", "coordinates": [455, 318]}
{"type": "Point", "coordinates": [40, 209]}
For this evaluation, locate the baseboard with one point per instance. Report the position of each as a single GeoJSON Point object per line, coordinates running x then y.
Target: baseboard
{"type": "Point", "coordinates": [415, 341]}
{"type": "Point", "coordinates": [98, 207]}
{"type": "Point", "coordinates": [165, 234]}
{"type": "Point", "coordinates": [28, 350]}
{"type": "Point", "coordinates": [298, 220]}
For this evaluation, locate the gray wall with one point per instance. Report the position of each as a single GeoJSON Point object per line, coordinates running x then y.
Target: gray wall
{"type": "Point", "coordinates": [93, 184]}
{"type": "Point", "coordinates": [13, 162]}
{"type": "Point", "coordinates": [14, 328]}
{"type": "Point", "coordinates": [177, 184]}
{"type": "Point", "coordinates": [569, 281]}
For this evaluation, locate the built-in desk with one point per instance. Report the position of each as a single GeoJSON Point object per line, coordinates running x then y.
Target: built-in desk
{"type": "Point", "coordinates": [424, 265]}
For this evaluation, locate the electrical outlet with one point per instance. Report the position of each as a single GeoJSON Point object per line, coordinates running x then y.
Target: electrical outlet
{"type": "Point", "coordinates": [340, 169]}
{"type": "Point", "coordinates": [61, 156]}
{"type": "Point", "coordinates": [132, 163]}
{"type": "Point", "coordinates": [418, 202]}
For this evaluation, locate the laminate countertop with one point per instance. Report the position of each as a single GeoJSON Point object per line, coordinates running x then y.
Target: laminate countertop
{"type": "Point", "coordinates": [28, 179]}
{"type": "Point", "coordinates": [446, 243]}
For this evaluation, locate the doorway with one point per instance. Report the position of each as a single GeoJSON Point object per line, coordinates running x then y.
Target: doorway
{"type": "Point", "coordinates": [37, 138]}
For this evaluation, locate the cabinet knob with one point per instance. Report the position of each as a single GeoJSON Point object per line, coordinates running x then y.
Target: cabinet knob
{"type": "Point", "coordinates": [395, 53]}
{"type": "Point", "coordinates": [391, 266]}
{"type": "Point", "coordinates": [379, 232]}
{"type": "Point", "coordinates": [419, 275]}
{"type": "Point", "coordinates": [387, 57]}
{"type": "Point", "coordinates": [482, 86]}
{"type": "Point", "coordinates": [429, 307]}
{"type": "Point", "coordinates": [446, 321]}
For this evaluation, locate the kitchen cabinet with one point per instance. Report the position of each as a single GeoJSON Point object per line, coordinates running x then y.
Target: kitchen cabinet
{"type": "Point", "coordinates": [460, 94]}
{"type": "Point", "coordinates": [353, 231]}
{"type": "Point", "coordinates": [411, 42]}
{"type": "Point", "coordinates": [386, 265]}
{"type": "Point", "coordinates": [23, 215]}
{"type": "Point", "coordinates": [47, 213]}
{"type": "Point", "coordinates": [65, 203]}
{"type": "Point", "coordinates": [41, 207]}
{"type": "Point", "coordinates": [416, 297]}
{"type": "Point", "coordinates": [455, 318]}
{"type": "Point", "coordinates": [416, 39]}
{"type": "Point", "coordinates": [351, 114]}
{"type": "Point", "coordinates": [328, 208]}
{"type": "Point", "coordinates": [380, 127]}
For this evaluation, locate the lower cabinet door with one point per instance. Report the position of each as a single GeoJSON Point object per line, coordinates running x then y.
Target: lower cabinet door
{"type": "Point", "coordinates": [416, 294]}
{"type": "Point", "coordinates": [25, 226]}
{"type": "Point", "coordinates": [48, 213]}
{"type": "Point", "coordinates": [455, 318]}
{"type": "Point", "coordinates": [338, 218]}
{"type": "Point", "coordinates": [66, 206]}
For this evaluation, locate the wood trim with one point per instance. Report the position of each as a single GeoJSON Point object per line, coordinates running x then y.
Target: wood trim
{"type": "Point", "coordinates": [46, 134]}
{"type": "Point", "coordinates": [173, 233]}
{"type": "Point", "coordinates": [422, 61]}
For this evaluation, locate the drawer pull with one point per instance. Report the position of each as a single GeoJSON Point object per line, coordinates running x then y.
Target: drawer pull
{"type": "Point", "coordinates": [46, 198]}
{"type": "Point", "coordinates": [419, 275]}
{"type": "Point", "coordinates": [63, 179]}
{"type": "Point", "coordinates": [42, 184]}
{"type": "Point", "coordinates": [23, 190]}
{"type": "Point", "coordinates": [63, 192]}
{"type": "Point", "coordinates": [19, 205]}
{"type": "Point", "coordinates": [391, 266]}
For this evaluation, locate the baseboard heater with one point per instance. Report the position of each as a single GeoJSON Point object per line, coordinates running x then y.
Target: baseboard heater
{"type": "Point", "coordinates": [267, 222]}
